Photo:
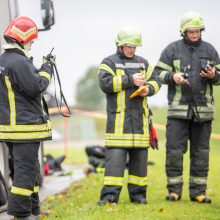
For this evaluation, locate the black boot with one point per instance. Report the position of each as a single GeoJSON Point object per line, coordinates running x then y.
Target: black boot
{"type": "Point", "coordinates": [173, 197]}
{"type": "Point", "coordinates": [139, 201]}
{"type": "Point", "coordinates": [105, 202]}
{"type": "Point", "coordinates": [30, 217]}
{"type": "Point", "coordinates": [201, 199]}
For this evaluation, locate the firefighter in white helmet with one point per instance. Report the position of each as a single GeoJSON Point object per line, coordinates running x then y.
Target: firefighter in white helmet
{"type": "Point", "coordinates": [120, 75]}
{"type": "Point", "coordinates": [190, 67]}
{"type": "Point", "coordinates": [23, 121]}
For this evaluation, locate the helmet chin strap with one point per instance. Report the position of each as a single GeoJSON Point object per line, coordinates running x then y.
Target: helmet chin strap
{"type": "Point", "coordinates": [27, 46]}
{"type": "Point", "coordinates": [121, 49]}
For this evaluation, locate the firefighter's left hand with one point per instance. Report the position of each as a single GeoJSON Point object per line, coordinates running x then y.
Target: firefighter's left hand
{"type": "Point", "coordinates": [50, 59]}
{"type": "Point", "coordinates": [144, 92]}
{"type": "Point", "coordinates": [209, 73]}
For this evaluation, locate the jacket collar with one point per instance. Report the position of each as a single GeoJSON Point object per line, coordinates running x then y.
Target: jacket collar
{"type": "Point", "coordinates": [192, 43]}
{"type": "Point", "coordinates": [17, 48]}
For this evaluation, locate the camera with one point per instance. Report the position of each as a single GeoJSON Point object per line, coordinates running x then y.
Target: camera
{"type": "Point", "coordinates": [206, 67]}
{"type": "Point", "coordinates": [185, 76]}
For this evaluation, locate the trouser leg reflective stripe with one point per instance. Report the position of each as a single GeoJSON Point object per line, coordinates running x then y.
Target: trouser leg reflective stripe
{"type": "Point", "coordinates": [26, 170]}
{"type": "Point", "coordinates": [177, 134]}
{"type": "Point", "coordinates": [35, 197]}
{"type": "Point", "coordinates": [137, 174]}
{"type": "Point", "coordinates": [199, 157]}
{"type": "Point", "coordinates": [114, 174]}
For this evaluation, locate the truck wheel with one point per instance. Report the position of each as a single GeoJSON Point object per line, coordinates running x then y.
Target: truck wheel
{"type": "Point", "coordinates": [4, 162]}
{"type": "Point", "coordinates": [4, 175]}
{"type": "Point", "coordinates": [41, 161]}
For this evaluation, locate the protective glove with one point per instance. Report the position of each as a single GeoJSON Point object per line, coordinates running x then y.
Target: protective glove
{"type": "Point", "coordinates": [50, 59]}
{"type": "Point", "coordinates": [48, 63]}
{"type": "Point", "coordinates": [153, 136]}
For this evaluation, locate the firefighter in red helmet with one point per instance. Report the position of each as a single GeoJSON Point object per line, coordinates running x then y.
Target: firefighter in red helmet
{"type": "Point", "coordinates": [23, 122]}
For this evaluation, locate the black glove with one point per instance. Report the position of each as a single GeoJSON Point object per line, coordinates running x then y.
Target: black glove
{"type": "Point", "coordinates": [49, 59]}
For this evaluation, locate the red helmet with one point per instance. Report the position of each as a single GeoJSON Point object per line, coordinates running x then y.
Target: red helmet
{"type": "Point", "coordinates": [22, 29]}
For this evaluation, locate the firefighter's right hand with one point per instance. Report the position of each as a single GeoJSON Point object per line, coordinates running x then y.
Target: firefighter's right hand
{"type": "Point", "coordinates": [179, 79]}
{"type": "Point", "coordinates": [138, 79]}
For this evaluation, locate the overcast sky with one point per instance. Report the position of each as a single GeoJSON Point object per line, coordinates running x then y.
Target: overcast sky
{"type": "Point", "coordinates": [85, 31]}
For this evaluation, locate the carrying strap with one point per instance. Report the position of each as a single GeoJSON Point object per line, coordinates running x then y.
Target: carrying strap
{"type": "Point", "coordinates": [62, 97]}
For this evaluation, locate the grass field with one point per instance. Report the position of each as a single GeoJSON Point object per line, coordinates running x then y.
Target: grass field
{"type": "Point", "coordinates": [79, 201]}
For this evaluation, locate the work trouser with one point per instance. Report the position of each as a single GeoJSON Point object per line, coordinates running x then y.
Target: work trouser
{"type": "Point", "coordinates": [178, 133]}
{"type": "Point", "coordinates": [114, 174]}
{"type": "Point", "coordinates": [23, 199]}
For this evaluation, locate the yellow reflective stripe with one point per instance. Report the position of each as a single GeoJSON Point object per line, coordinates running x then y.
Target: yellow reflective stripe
{"type": "Point", "coordinates": [124, 143]}
{"type": "Point", "coordinates": [145, 117]}
{"type": "Point", "coordinates": [21, 191]}
{"type": "Point", "coordinates": [137, 180]}
{"type": "Point", "coordinates": [177, 110]}
{"type": "Point", "coordinates": [113, 180]}
{"type": "Point", "coordinates": [117, 178]}
{"type": "Point", "coordinates": [36, 189]}
{"type": "Point", "coordinates": [208, 95]}
{"type": "Point", "coordinates": [100, 169]}
{"type": "Point", "coordinates": [178, 107]}
{"type": "Point", "coordinates": [176, 113]}
{"type": "Point", "coordinates": [178, 95]}
{"type": "Point", "coordinates": [117, 83]}
{"type": "Point", "coordinates": [23, 34]}
{"type": "Point", "coordinates": [130, 140]}
{"type": "Point", "coordinates": [155, 85]}
{"type": "Point", "coordinates": [198, 180]}
{"type": "Point", "coordinates": [176, 64]}
{"type": "Point", "coordinates": [45, 74]}
{"type": "Point", "coordinates": [205, 109]}
{"type": "Point", "coordinates": [174, 180]}
{"type": "Point", "coordinates": [149, 72]}
{"type": "Point", "coordinates": [11, 99]}
{"type": "Point", "coordinates": [126, 136]}
{"type": "Point", "coordinates": [106, 68]}
{"type": "Point", "coordinates": [25, 136]}
{"type": "Point", "coordinates": [119, 117]}
{"type": "Point", "coordinates": [164, 66]}
{"type": "Point", "coordinates": [26, 128]}
{"type": "Point", "coordinates": [206, 115]}
{"type": "Point", "coordinates": [119, 122]}
{"type": "Point", "coordinates": [163, 75]}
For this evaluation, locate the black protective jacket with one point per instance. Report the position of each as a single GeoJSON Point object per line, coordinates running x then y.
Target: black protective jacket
{"type": "Point", "coordinates": [22, 116]}
{"type": "Point", "coordinates": [127, 123]}
{"type": "Point", "coordinates": [196, 98]}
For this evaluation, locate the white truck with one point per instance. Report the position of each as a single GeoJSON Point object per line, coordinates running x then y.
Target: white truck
{"type": "Point", "coordinates": [10, 9]}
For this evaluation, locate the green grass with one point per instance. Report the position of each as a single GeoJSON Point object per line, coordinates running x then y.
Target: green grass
{"type": "Point", "coordinates": [79, 201]}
